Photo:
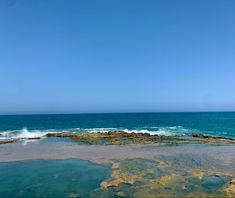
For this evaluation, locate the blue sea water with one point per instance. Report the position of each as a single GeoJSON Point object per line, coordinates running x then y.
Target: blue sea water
{"type": "Point", "coordinates": [23, 126]}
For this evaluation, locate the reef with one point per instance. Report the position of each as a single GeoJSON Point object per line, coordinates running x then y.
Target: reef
{"type": "Point", "coordinates": [157, 178]}
{"type": "Point", "coordinates": [114, 138]}
{"type": "Point", "coordinates": [123, 138]}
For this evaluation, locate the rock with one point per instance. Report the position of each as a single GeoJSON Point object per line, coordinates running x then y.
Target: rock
{"type": "Point", "coordinates": [34, 138]}
{"type": "Point", "coordinates": [195, 135]}
{"type": "Point", "coordinates": [61, 135]}
{"type": "Point", "coordinates": [229, 190]}
{"type": "Point", "coordinates": [123, 138]}
{"type": "Point", "coordinates": [7, 141]}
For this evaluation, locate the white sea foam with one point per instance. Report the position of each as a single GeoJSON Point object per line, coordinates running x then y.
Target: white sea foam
{"type": "Point", "coordinates": [167, 131]}
{"type": "Point", "coordinates": [160, 131]}
{"type": "Point", "coordinates": [99, 129]}
{"type": "Point", "coordinates": [4, 133]}
{"type": "Point", "coordinates": [25, 133]}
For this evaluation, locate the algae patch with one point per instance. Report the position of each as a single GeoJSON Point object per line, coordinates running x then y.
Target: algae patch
{"type": "Point", "coordinates": [155, 178]}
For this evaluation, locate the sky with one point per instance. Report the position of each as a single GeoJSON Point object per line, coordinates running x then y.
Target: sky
{"type": "Point", "coordinates": [90, 56]}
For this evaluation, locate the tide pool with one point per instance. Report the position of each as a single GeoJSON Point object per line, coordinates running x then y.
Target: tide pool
{"type": "Point", "coordinates": [51, 178]}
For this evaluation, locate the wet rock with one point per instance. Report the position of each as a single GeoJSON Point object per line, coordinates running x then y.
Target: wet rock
{"type": "Point", "coordinates": [195, 135]}
{"type": "Point", "coordinates": [34, 138]}
{"type": "Point", "coordinates": [201, 136]}
{"type": "Point", "coordinates": [7, 141]}
{"type": "Point", "coordinates": [112, 138]}
{"type": "Point", "coordinates": [123, 138]}
{"type": "Point", "coordinates": [61, 135]}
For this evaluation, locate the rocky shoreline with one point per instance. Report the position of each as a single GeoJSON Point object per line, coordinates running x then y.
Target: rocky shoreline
{"type": "Point", "coordinates": [188, 166]}
{"type": "Point", "coordinates": [124, 138]}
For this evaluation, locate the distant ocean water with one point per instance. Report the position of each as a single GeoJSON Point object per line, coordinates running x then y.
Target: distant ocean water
{"type": "Point", "coordinates": [24, 126]}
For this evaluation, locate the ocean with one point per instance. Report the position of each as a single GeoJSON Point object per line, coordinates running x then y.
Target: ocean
{"type": "Point", "coordinates": [208, 123]}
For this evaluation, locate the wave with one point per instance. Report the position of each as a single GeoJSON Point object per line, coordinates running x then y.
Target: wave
{"type": "Point", "coordinates": [25, 134]}
{"type": "Point", "coordinates": [99, 129]}
{"type": "Point", "coordinates": [167, 131]}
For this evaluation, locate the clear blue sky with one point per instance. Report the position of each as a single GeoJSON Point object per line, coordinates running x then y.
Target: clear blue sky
{"type": "Point", "coordinates": [67, 56]}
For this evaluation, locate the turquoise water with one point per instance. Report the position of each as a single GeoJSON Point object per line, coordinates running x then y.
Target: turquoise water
{"type": "Point", "coordinates": [219, 124]}
{"type": "Point", "coordinates": [51, 178]}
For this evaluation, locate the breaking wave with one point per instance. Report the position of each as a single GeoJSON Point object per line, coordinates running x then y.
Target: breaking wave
{"type": "Point", "coordinates": [22, 134]}
{"type": "Point", "coordinates": [27, 134]}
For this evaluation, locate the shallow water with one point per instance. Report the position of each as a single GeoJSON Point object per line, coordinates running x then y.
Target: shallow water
{"type": "Point", "coordinates": [51, 178]}
{"type": "Point", "coordinates": [46, 168]}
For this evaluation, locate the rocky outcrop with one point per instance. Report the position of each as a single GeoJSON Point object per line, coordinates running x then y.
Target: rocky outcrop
{"type": "Point", "coordinates": [7, 141]}
{"type": "Point", "coordinates": [211, 138]}
{"type": "Point", "coordinates": [123, 138]}
{"type": "Point", "coordinates": [196, 135]}
{"type": "Point", "coordinates": [113, 138]}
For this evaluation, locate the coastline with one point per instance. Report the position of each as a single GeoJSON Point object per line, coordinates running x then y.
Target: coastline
{"type": "Point", "coordinates": [146, 169]}
{"type": "Point", "coordinates": [142, 155]}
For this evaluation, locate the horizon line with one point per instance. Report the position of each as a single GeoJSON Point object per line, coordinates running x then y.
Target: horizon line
{"type": "Point", "coordinates": [84, 113]}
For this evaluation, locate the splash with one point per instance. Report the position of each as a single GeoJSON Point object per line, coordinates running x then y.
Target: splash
{"type": "Point", "coordinates": [25, 134]}
{"type": "Point", "coordinates": [22, 134]}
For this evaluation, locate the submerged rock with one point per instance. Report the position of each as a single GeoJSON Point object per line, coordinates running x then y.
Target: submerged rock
{"type": "Point", "coordinates": [148, 178]}
{"type": "Point", "coordinates": [198, 173]}
{"type": "Point", "coordinates": [229, 190]}
{"type": "Point", "coordinates": [118, 177]}
{"type": "Point", "coordinates": [120, 194]}
{"type": "Point", "coordinates": [166, 179]}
